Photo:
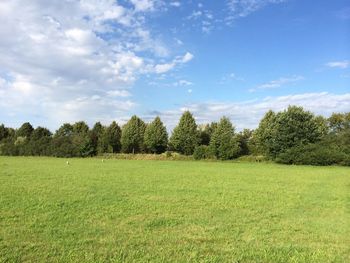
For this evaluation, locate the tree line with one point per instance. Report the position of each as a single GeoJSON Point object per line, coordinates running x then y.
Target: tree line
{"type": "Point", "coordinates": [292, 136]}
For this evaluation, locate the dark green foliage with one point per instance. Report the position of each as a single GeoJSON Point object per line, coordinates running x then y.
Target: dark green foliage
{"type": "Point", "coordinates": [314, 154]}
{"type": "Point", "coordinates": [72, 141]}
{"type": "Point", "coordinates": [205, 133]}
{"type": "Point", "coordinates": [185, 137]}
{"type": "Point", "coordinates": [62, 146]}
{"type": "Point", "coordinates": [293, 136]}
{"type": "Point", "coordinates": [110, 139]}
{"type": "Point", "coordinates": [80, 127]}
{"type": "Point", "coordinates": [40, 142]}
{"type": "Point", "coordinates": [243, 139]}
{"type": "Point", "coordinates": [202, 152]}
{"type": "Point", "coordinates": [95, 136]}
{"type": "Point", "coordinates": [65, 130]}
{"type": "Point", "coordinates": [156, 137]}
{"type": "Point", "coordinates": [132, 135]}
{"type": "Point", "coordinates": [223, 144]}
{"type": "Point", "coordinates": [39, 133]}
{"type": "Point", "coordinates": [4, 132]}
{"type": "Point", "coordinates": [284, 130]}
{"type": "Point", "coordinates": [25, 130]}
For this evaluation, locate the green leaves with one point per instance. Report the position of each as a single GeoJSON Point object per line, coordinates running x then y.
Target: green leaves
{"type": "Point", "coordinates": [284, 130]}
{"type": "Point", "coordinates": [223, 145]}
{"type": "Point", "coordinates": [156, 137]}
{"type": "Point", "coordinates": [133, 135]}
{"type": "Point", "coordinates": [185, 136]}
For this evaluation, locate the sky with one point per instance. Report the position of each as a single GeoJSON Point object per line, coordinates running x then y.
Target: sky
{"type": "Point", "coordinates": [104, 60]}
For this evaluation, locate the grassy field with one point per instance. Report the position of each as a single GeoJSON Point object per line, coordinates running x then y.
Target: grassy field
{"type": "Point", "coordinates": [172, 211]}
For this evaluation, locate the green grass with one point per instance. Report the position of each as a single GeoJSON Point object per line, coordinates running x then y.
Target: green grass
{"type": "Point", "coordinates": [172, 211]}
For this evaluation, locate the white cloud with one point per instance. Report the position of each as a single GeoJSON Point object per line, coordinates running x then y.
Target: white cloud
{"type": "Point", "coordinates": [186, 58]}
{"type": "Point", "coordinates": [163, 68]}
{"type": "Point", "coordinates": [243, 8]}
{"type": "Point", "coordinates": [175, 4]}
{"type": "Point", "coordinates": [339, 64]}
{"type": "Point", "coordinates": [56, 60]}
{"type": "Point", "coordinates": [183, 82]}
{"type": "Point", "coordinates": [277, 83]}
{"type": "Point", "coordinates": [145, 5]}
{"type": "Point", "coordinates": [118, 93]}
{"type": "Point", "coordinates": [247, 114]}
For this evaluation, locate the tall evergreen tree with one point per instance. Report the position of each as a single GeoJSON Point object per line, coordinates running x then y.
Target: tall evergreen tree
{"type": "Point", "coordinates": [133, 135]}
{"type": "Point", "coordinates": [185, 137]}
{"type": "Point", "coordinates": [156, 137]}
{"type": "Point", "coordinates": [110, 140]}
{"type": "Point", "coordinates": [223, 144]}
{"type": "Point", "coordinates": [96, 136]}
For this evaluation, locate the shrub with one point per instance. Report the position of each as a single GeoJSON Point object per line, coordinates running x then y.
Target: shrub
{"type": "Point", "coordinates": [314, 154]}
{"type": "Point", "coordinates": [252, 158]}
{"type": "Point", "coordinates": [201, 152]}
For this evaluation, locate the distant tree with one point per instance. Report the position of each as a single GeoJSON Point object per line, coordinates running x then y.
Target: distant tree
{"type": "Point", "coordinates": [294, 126]}
{"type": "Point", "coordinates": [82, 140]}
{"type": "Point", "coordinates": [243, 139]}
{"type": "Point", "coordinates": [4, 132]}
{"type": "Point", "coordinates": [40, 142]}
{"type": "Point", "coordinates": [339, 122]}
{"type": "Point", "coordinates": [156, 137]}
{"type": "Point", "coordinates": [223, 144]}
{"type": "Point", "coordinates": [205, 132]}
{"type": "Point", "coordinates": [96, 136]}
{"type": "Point", "coordinates": [62, 142]}
{"type": "Point", "coordinates": [40, 132]}
{"type": "Point", "coordinates": [110, 139]}
{"type": "Point", "coordinates": [62, 146]}
{"type": "Point", "coordinates": [80, 127]}
{"type": "Point", "coordinates": [266, 132]}
{"type": "Point", "coordinates": [65, 130]}
{"type": "Point", "coordinates": [72, 140]}
{"type": "Point", "coordinates": [185, 137]}
{"type": "Point", "coordinates": [132, 138]}
{"type": "Point", "coordinates": [25, 130]}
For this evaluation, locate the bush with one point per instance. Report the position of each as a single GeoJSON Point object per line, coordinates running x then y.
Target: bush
{"type": "Point", "coordinates": [314, 154]}
{"type": "Point", "coordinates": [252, 158]}
{"type": "Point", "coordinates": [201, 152]}
{"type": "Point", "coordinates": [143, 156]}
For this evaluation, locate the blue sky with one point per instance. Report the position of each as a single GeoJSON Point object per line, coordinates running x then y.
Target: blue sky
{"type": "Point", "coordinates": [65, 61]}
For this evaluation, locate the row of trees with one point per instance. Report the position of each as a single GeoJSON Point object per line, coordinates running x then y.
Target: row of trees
{"type": "Point", "coordinates": [283, 136]}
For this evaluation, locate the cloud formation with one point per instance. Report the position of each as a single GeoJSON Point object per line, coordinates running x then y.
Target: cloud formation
{"type": "Point", "coordinates": [69, 60]}
{"type": "Point", "coordinates": [274, 84]}
{"type": "Point", "coordinates": [247, 114]}
{"type": "Point", "coordinates": [339, 64]}
{"type": "Point", "coordinates": [242, 8]}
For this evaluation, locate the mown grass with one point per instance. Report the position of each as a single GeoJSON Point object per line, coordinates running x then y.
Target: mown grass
{"type": "Point", "coordinates": [172, 211]}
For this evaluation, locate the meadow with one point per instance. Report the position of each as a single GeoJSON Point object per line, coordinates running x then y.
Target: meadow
{"type": "Point", "coordinates": [171, 211]}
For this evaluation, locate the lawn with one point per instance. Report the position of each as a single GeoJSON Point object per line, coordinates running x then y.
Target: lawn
{"type": "Point", "coordinates": [172, 211]}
